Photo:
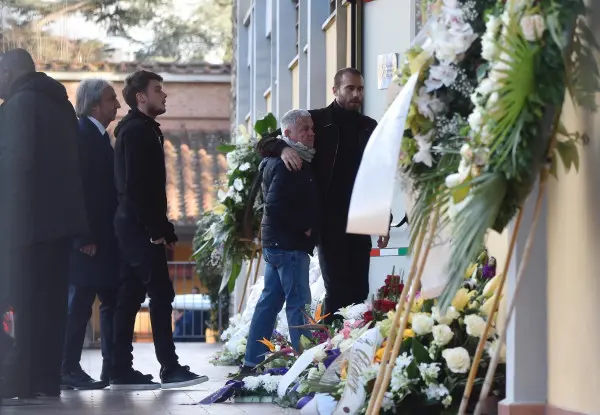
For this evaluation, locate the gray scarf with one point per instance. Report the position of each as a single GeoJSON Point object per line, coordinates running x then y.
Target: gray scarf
{"type": "Point", "coordinates": [304, 152]}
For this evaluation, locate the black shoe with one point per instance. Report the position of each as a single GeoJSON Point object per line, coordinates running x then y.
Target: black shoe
{"type": "Point", "coordinates": [132, 380]}
{"type": "Point", "coordinates": [179, 377]}
{"type": "Point", "coordinates": [245, 371]}
{"type": "Point", "coordinates": [79, 380]}
{"type": "Point", "coordinates": [105, 376]}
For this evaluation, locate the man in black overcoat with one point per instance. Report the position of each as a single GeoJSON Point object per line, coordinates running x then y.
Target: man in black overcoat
{"type": "Point", "coordinates": [94, 267]}
{"type": "Point", "coordinates": [341, 135]}
{"type": "Point", "coordinates": [41, 210]}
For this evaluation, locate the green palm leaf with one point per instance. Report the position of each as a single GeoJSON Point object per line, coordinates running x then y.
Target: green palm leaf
{"type": "Point", "coordinates": [470, 227]}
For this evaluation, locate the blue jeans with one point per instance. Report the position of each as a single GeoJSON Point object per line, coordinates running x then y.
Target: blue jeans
{"type": "Point", "coordinates": [286, 280]}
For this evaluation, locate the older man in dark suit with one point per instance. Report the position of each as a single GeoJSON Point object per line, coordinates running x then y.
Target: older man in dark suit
{"type": "Point", "coordinates": [94, 266]}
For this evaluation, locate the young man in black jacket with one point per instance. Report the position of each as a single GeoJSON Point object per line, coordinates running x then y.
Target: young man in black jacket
{"type": "Point", "coordinates": [289, 231]}
{"type": "Point", "coordinates": [144, 233]}
{"type": "Point", "coordinates": [341, 135]}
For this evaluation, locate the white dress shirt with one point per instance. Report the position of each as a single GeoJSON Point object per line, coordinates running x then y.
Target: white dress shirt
{"type": "Point", "coordinates": [98, 125]}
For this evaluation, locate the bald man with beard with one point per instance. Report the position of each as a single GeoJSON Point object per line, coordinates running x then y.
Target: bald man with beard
{"type": "Point", "coordinates": [41, 210]}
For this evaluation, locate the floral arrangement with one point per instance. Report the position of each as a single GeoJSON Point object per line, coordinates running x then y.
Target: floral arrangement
{"type": "Point", "coordinates": [492, 81]}
{"type": "Point", "coordinates": [209, 267]}
{"type": "Point", "coordinates": [431, 371]}
{"type": "Point", "coordinates": [234, 238]}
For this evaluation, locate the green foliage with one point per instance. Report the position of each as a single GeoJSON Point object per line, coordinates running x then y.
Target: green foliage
{"type": "Point", "coordinates": [209, 268]}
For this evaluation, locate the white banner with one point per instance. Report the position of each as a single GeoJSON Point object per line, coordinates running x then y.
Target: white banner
{"type": "Point", "coordinates": [363, 350]}
{"type": "Point", "coordinates": [371, 201]}
{"type": "Point", "coordinates": [435, 275]}
{"type": "Point", "coordinates": [302, 363]}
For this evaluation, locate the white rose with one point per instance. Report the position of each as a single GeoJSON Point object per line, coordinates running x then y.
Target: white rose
{"type": "Point", "coordinates": [476, 120]}
{"type": "Point", "coordinates": [442, 334]}
{"type": "Point", "coordinates": [491, 349]}
{"type": "Point", "coordinates": [245, 167]}
{"type": "Point", "coordinates": [533, 27]}
{"type": "Point", "coordinates": [475, 325]}
{"type": "Point", "coordinates": [422, 324]}
{"type": "Point", "coordinates": [320, 355]}
{"type": "Point", "coordinates": [466, 152]}
{"type": "Point", "coordinates": [488, 49]}
{"type": "Point", "coordinates": [241, 349]}
{"type": "Point", "coordinates": [457, 359]}
{"type": "Point", "coordinates": [451, 315]}
{"type": "Point", "coordinates": [238, 184]}
{"type": "Point", "coordinates": [482, 155]}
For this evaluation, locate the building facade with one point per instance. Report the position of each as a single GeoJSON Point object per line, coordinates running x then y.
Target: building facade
{"type": "Point", "coordinates": [196, 122]}
{"type": "Point", "coordinates": [287, 54]}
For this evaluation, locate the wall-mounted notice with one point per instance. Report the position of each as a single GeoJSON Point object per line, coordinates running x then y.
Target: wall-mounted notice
{"type": "Point", "coordinates": [386, 68]}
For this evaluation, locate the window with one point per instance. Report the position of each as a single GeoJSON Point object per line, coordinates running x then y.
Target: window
{"type": "Point", "coordinates": [269, 18]}
{"type": "Point", "coordinates": [297, 25]}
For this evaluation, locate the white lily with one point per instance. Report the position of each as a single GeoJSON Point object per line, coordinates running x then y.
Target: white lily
{"type": "Point", "coordinates": [424, 154]}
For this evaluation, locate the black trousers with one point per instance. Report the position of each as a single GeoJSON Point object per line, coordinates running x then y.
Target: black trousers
{"type": "Point", "coordinates": [81, 301]}
{"type": "Point", "coordinates": [344, 261]}
{"type": "Point", "coordinates": [144, 271]}
{"type": "Point", "coordinates": [40, 302]}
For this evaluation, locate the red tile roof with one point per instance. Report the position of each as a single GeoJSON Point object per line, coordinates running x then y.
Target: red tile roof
{"type": "Point", "coordinates": [194, 169]}
{"type": "Point", "coordinates": [128, 67]}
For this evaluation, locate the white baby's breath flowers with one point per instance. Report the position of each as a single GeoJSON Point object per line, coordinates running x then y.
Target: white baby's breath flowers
{"type": "Point", "coordinates": [429, 372]}
{"type": "Point", "coordinates": [457, 359]}
{"type": "Point", "coordinates": [447, 401]}
{"type": "Point", "coordinates": [442, 334]}
{"type": "Point", "coordinates": [475, 325]}
{"type": "Point", "coordinates": [533, 27]}
{"type": "Point", "coordinates": [251, 383]}
{"type": "Point", "coordinates": [422, 324]}
{"type": "Point", "coordinates": [436, 392]}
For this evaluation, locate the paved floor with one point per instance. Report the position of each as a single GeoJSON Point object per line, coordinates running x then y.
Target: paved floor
{"type": "Point", "coordinates": [172, 402]}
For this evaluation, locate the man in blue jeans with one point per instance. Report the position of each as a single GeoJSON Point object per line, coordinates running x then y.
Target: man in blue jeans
{"type": "Point", "coordinates": [289, 226]}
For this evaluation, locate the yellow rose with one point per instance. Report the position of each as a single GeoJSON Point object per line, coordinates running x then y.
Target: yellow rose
{"type": "Point", "coordinates": [486, 308]}
{"type": "Point", "coordinates": [491, 287]}
{"type": "Point", "coordinates": [417, 305]}
{"type": "Point", "coordinates": [470, 271]}
{"type": "Point", "coordinates": [461, 299]}
{"type": "Point", "coordinates": [408, 333]}
{"type": "Point", "coordinates": [380, 352]}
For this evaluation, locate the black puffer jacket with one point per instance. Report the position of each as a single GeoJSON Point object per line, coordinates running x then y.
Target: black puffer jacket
{"type": "Point", "coordinates": [291, 207]}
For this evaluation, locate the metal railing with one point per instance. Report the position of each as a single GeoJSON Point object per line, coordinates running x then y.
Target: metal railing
{"type": "Point", "coordinates": [191, 310]}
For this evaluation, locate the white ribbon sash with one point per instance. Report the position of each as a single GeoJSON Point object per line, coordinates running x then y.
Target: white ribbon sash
{"type": "Point", "coordinates": [354, 395]}
{"type": "Point", "coordinates": [371, 201]}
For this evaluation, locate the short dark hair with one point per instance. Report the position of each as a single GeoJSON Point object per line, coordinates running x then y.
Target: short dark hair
{"type": "Point", "coordinates": [337, 79]}
{"type": "Point", "coordinates": [138, 82]}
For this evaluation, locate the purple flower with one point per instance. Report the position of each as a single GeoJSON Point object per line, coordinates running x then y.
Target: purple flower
{"type": "Point", "coordinates": [331, 356]}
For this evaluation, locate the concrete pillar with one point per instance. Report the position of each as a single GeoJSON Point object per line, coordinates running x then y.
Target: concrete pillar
{"type": "Point", "coordinates": [527, 352]}
{"type": "Point", "coordinates": [318, 12]}
{"type": "Point", "coordinates": [303, 53]}
{"type": "Point", "coordinates": [243, 86]}
{"type": "Point", "coordinates": [285, 33]}
{"type": "Point", "coordinates": [261, 60]}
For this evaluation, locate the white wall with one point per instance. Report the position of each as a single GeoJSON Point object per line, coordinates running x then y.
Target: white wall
{"type": "Point", "coordinates": [397, 17]}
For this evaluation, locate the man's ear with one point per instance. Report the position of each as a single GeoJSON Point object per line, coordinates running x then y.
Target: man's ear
{"type": "Point", "coordinates": [335, 91]}
{"type": "Point", "coordinates": [286, 132]}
